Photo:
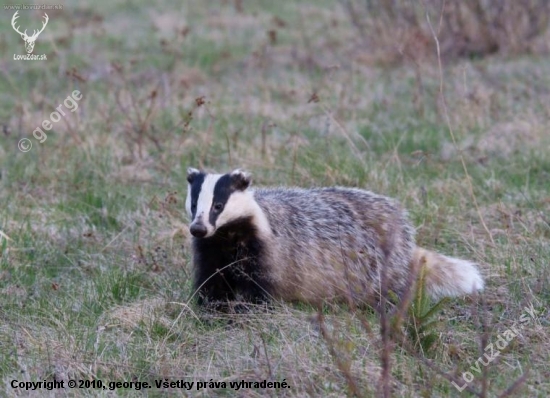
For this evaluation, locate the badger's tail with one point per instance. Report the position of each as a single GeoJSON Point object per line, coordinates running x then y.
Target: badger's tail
{"type": "Point", "coordinates": [447, 276]}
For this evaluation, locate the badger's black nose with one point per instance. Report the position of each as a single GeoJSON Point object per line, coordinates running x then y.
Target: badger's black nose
{"type": "Point", "coordinates": [198, 230]}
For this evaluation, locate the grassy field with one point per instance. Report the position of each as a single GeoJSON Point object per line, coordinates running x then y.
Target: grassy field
{"type": "Point", "coordinates": [95, 273]}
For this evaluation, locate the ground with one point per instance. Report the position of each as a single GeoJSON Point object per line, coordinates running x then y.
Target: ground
{"type": "Point", "coordinates": [95, 272]}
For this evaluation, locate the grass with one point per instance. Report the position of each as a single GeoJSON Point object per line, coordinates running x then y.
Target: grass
{"type": "Point", "coordinates": [95, 273]}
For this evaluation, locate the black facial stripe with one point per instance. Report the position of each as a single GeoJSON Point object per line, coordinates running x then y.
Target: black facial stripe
{"type": "Point", "coordinates": [196, 187]}
{"type": "Point", "coordinates": [222, 191]}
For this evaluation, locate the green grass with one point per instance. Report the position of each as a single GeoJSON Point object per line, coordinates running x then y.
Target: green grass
{"type": "Point", "coordinates": [95, 273]}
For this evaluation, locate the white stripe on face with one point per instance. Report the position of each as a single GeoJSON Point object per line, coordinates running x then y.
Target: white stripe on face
{"type": "Point", "coordinates": [204, 202]}
{"type": "Point", "coordinates": [239, 204]}
{"type": "Point", "coordinates": [188, 202]}
{"type": "Point", "coordinates": [242, 204]}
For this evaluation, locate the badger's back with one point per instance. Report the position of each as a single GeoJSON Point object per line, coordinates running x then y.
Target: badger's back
{"type": "Point", "coordinates": [330, 243]}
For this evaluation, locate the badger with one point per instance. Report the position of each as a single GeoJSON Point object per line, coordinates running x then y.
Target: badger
{"type": "Point", "coordinates": [309, 245]}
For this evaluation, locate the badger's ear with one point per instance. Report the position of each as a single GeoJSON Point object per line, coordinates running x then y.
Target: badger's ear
{"type": "Point", "coordinates": [191, 174]}
{"type": "Point", "coordinates": [240, 179]}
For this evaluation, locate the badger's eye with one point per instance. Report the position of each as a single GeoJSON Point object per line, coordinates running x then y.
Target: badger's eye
{"type": "Point", "coordinates": [193, 206]}
{"type": "Point", "coordinates": [218, 206]}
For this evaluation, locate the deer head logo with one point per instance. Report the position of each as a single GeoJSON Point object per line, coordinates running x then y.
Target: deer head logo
{"type": "Point", "coordinates": [29, 40]}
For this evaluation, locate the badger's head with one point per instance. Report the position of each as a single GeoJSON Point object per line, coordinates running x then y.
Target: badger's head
{"type": "Point", "coordinates": [214, 200]}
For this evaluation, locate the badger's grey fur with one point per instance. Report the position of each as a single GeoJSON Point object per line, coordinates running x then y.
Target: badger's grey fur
{"type": "Point", "coordinates": [308, 245]}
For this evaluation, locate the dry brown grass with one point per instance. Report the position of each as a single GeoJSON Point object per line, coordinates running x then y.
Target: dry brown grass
{"type": "Point", "coordinates": [395, 31]}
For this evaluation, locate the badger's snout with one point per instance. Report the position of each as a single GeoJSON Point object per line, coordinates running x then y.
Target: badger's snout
{"type": "Point", "coordinates": [198, 230]}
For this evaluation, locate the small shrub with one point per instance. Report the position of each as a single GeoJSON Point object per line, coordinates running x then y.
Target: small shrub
{"type": "Point", "coordinates": [421, 327]}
